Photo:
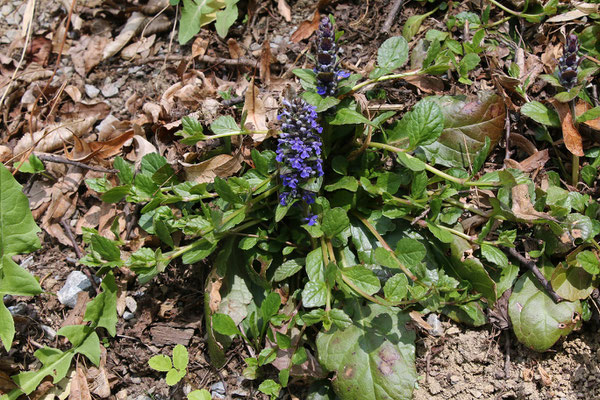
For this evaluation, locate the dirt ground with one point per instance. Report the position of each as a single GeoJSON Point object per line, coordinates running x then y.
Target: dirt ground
{"type": "Point", "coordinates": [462, 364]}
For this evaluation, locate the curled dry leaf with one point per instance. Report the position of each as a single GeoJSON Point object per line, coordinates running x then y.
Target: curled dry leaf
{"type": "Point", "coordinates": [285, 10]}
{"type": "Point", "coordinates": [427, 83]}
{"type": "Point", "coordinates": [306, 28]}
{"type": "Point", "coordinates": [256, 119]}
{"type": "Point", "coordinates": [79, 386]}
{"type": "Point", "coordinates": [222, 166]}
{"type": "Point", "coordinates": [571, 135]}
{"type": "Point", "coordinates": [531, 163]}
{"type": "Point", "coordinates": [141, 47]}
{"type": "Point", "coordinates": [54, 136]}
{"type": "Point", "coordinates": [132, 27]}
{"type": "Point", "coordinates": [522, 206]}
{"type": "Point", "coordinates": [99, 384]}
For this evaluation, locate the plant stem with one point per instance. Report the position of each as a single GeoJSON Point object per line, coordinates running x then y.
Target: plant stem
{"type": "Point", "coordinates": [236, 133]}
{"type": "Point", "coordinates": [385, 78]}
{"type": "Point", "coordinates": [515, 13]}
{"type": "Point", "coordinates": [433, 170]}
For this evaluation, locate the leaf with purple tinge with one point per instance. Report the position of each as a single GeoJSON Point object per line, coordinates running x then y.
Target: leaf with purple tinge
{"type": "Point", "coordinates": [467, 122]}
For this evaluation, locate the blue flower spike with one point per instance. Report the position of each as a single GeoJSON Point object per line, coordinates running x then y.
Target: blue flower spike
{"type": "Point", "coordinates": [327, 68]}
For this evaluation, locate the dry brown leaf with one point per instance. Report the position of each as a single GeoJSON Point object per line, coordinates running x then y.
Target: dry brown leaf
{"type": "Point", "coordinates": [81, 110]}
{"type": "Point", "coordinates": [141, 47]}
{"type": "Point", "coordinates": [84, 151]}
{"type": "Point", "coordinates": [568, 16]}
{"type": "Point", "coordinates": [235, 51]}
{"type": "Point", "coordinates": [418, 318]}
{"type": "Point", "coordinates": [306, 28]}
{"type": "Point", "coordinates": [6, 384]}
{"type": "Point", "coordinates": [53, 137]}
{"type": "Point", "coordinates": [571, 135]}
{"type": "Point", "coordinates": [5, 154]}
{"type": "Point", "coordinates": [39, 50]}
{"type": "Point", "coordinates": [75, 316]}
{"type": "Point", "coordinates": [427, 83]}
{"type": "Point", "coordinates": [73, 92]}
{"type": "Point", "coordinates": [133, 26]}
{"type": "Point", "coordinates": [522, 207]}
{"type": "Point", "coordinates": [99, 384]}
{"type": "Point", "coordinates": [527, 374]}
{"type": "Point", "coordinates": [285, 10]}
{"type": "Point", "coordinates": [213, 287]}
{"type": "Point", "coordinates": [199, 47]}
{"type": "Point", "coordinates": [582, 107]}
{"type": "Point", "coordinates": [222, 166]}
{"type": "Point", "coordinates": [79, 386]}
{"type": "Point", "coordinates": [256, 114]}
{"type": "Point", "coordinates": [544, 376]}
{"type": "Point", "coordinates": [141, 148]}
{"type": "Point", "coordinates": [93, 53]}
{"type": "Point", "coordinates": [531, 163]}
{"type": "Point", "coordinates": [89, 219]}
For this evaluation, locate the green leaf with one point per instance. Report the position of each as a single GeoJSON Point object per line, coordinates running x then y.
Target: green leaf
{"type": "Point", "coordinates": [201, 394]}
{"type": "Point", "coordinates": [31, 166]}
{"type": "Point", "coordinates": [102, 310]}
{"type": "Point", "coordinates": [340, 318]}
{"type": "Point", "coordinates": [537, 321]}
{"type": "Point", "coordinates": [393, 53]}
{"type": "Point", "coordinates": [116, 194]}
{"type": "Point", "coordinates": [396, 288]}
{"type": "Point", "coordinates": [55, 363]}
{"type": "Point", "coordinates": [226, 18]}
{"type": "Point", "coordinates": [224, 125]}
{"type": "Point", "coordinates": [591, 114]}
{"type": "Point", "coordinates": [494, 255]}
{"type": "Point", "coordinates": [107, 249]}
{"type": "Point", "coordinates": [196, 14]}
{"type": "Point", "coordinates": [223, 324]}
{"type": "Point", "coordinates": [180, 357]}
{"type": "Point", "coordinates": [7, 327]}
{"type": "Point", "coordinates": [314, 294]}
{"type": "Point", "coordinates": [321, 103]}
{"type": "Point", "coordinates": [541, 114]}
{"type": "Point", "coordinates": [125, 173]}
{"type": "Point", "coordinates": [283, 341]}
{"type": "Point", "coordinates": [572, 282]}
{"type": "Point", "coordinates": [589, 262]}
{"type": "Point", "coordinates": [334, 221]}
{"type": "Point", "coordinates": [151, 163]}
{"type": "Point", "coordinates": [270, 387]}
{"type": "Point", "coordinates": [270, 305]}
{"type": "Point", "coordinates": [373, 358]}
{"type": "Point", "coordinates": [16, 280]}
{"type": "Point", "coordinates": [412, 25]}
{"type": "Point", "coordinates": [411, 162]}
{"type": "Point", "coordinates": [348, 116]}
{"type": "Point", "coordinates": [467, 121]}
{"type": "Point", "coordinates": [363, 278]}
{"type": "Point", "coordinates": [288, 268]}
{"type": "Point", "coordinates": [345, 182]}
{"type": "Point", "coordinates": [174, 376]}
{"type": "Point", "coordinates": [424, 123]}
{"type": "Point", "coordinates": [410, 252]}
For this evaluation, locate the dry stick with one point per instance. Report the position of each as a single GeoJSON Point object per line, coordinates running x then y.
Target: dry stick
{"type": "Point", "coordinates": [86, 270]}
{"type": "Point", "coordinates": [537, 273]}
{"type": "Point", "coordinates": [391, 16]}
{"type": "Point", "coordinates": [61, 160]}
{"type": "Point", "coordinates": [216, 60]}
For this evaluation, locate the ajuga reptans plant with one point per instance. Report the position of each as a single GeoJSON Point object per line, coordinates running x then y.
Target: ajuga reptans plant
{"type": "Point", "coordinates": [327, 67]}
{"type": "Point", "coordinates": [568, 63]}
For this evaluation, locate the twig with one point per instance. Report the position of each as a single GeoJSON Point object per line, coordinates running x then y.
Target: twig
{"type": "Point", "coordinates": [391, 16]}
{"type": "Point", "coordinates": [507, 128]}
{"type": "Point", "coordinates": [209, 59]}
{"type": "Point", "coordinates": [62, 160]}
{"type": "Point", "coordinates": [537, 273]}
{"type": "Point", "coordinates": [86, 270]}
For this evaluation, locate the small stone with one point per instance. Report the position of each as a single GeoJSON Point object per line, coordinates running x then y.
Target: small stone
{"type": "Point", "coordinates": [109, 90]}
{"type": "Point", "coordinates": [143, 397]}
{"type": "Point", "coordinates": [76, 282]}
{"type": "Point", "coordinates": [49, 333]}
{"type": "Point", "coordinates": [436, 325]}
{"type": "Point", "coordinates": [454, 379]}
{"type": "Point", "coordinates": [18, 309]}
{"type": "Point", "coordinates": [476, 393]}
{"type": "Point", "coordinates": [6, 9]}
{"type": "Point", "coordinates": [136, 379]}
{"type": "Point", "coordinates": [217, 390]}
{"type": "Point", "coordinates": [127, 316]}
{"type": "Point", "coordinates": [91, 91]}
{"type": "Point", "coordinates": [131, 304]}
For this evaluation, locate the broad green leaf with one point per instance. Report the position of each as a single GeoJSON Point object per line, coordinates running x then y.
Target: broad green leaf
{"type": "Point", "coordinates": [363, 278]}
{"type": "Point", "coordinates": [467, 121]}
{"type": "Point", "coordinates": [393, 53]}
{"type": "Point", "coordinates": [540, 113]}
{"type": "Point", "coordinates": [396, 288]}
{"type": "Point", "coordinates": [107, 249]}
{"type": "Point", "coordinates": [589, 262]}
{"type": "Point", "coordinates": [494, 255]}
{"type": "Point", "coordinates": [411, 162]}
{"type": "Point", "coordinates": [116, 194]}
{"type": "Point", "coordinates": [224, 125]}
{"type": "Point", "coordinates": [424, 123]}
{"type": "Point", "coordinates": [223, 324]}
{"type": "Point", "coordinates": [270, 387]}
{"type": "Point", "coordinates": [102, 310]}
{"type": "Point", "coordinates": [346, 116]}
{"type": "Point", "coordinates": [7, 327]}
{"type": "Point", "coordinates": [373, 358]}
{"type": "Point", "coordinates": [334, 221]}
{"type": "Point", "coordinates": [151, 163]}
{"type": "Point", "coordinates": [471, 313]}
{"type": "Point", "coordinates": [160, 363]}
{"type": "Point", "coordinates": [321, 103]}
{"type": "Point", "coordinates": [410, 252]}
{"type": "Point", "coordinates": [226, 18]}
{"type": "Point", "coordinates": [340, 318]}
{"type": "Point", "coordinates": [572, 282]}
{"type": "Point", "coordinates": [55, 364]}
{"type": "Point", "coordinates": [31, 166]}
{"type": "Point", "coordinates": [591, 114]}
{"type": "Point", "coordinates": [180, 357]}
{"type": "Point", "coordinates": [16, 280]}
{"type": "Point", "coordinates": [288, 268]}
{"type": "Point", "coordinates": [412, 25]}
{"type": "Point", "coordinates": [174, 376]}
{"type": "Point", "coordinates": [90, 347]}
{"type": "Point", "coordinates": [314, 294]}
{"type": "Point", "coordinates": [201, 394]}
{"type": "Point", "coordinates": [537, 321]}
{"type": "Point", "coordinates": [270, 305]}
{"type": "Point", "coordinates": [196, 14]}
{"type": "Point", "coordinates": [283, 341]}
{"type": "Point", "coordinates": [125, 173]}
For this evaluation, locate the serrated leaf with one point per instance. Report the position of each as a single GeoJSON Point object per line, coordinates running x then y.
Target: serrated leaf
{"type": "Point", "coordinates": [410, 252]}
{"type": "Point", "coordinates": [314, 294]}
{"type": "Point", "coordinates": [589, 262]}
{"type": "Point", "coordinates": [537, 321]}
{"type": "Point", "coordinates": [224, 125]}
{"type": "Point", "coordinates": [363, 278]}
{"type": "Point", "coordinates": [373, 358]}
{"type": "Point", "coordinates": [467, 121]}
{"type": "Point", "coordinates": [107, 249]}
{"type": "Point", "coordinates": [396, 288]}
{"type": "Point", "coordinates": [174, 376]}
{"type": "Point", "coordinates": [334, 221]}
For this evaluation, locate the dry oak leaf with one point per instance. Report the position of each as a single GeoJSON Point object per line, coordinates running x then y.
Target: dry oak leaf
{"type": "Point", "coordinates": [132, 27]}
{"type": "Point", "coordinates": [571, 135]}
{"type": "Point", "coordinates": [79, 386]}
{"type": "Point", "coordinates": [222, 166]}
{"type": "Point", "coordinates": [306, 28]}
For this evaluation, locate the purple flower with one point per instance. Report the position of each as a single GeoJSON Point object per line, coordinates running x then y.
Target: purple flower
{"type": "Point", "coordinates": [311, 220]}
{"type": "Point", "coordinates": [327, 68]}
{"type": "Point", "coordinates": [298, 150]}
{"type": "Point", "coordinates": [568, 63]}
